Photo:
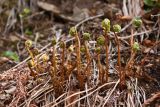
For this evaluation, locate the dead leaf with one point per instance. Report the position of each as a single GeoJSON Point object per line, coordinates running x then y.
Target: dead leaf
{"type": "Point", "coordinates": [3, 60]}
{"type": "Point", "coordinates": [48, 7]}
{"type": "Point", "coordinates": [80, 14]}
{"type": "Point", "coordinates": [147, 43]}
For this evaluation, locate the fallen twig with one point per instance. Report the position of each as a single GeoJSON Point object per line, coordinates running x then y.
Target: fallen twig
{"type": "Point", "coordinates": [151, 99]}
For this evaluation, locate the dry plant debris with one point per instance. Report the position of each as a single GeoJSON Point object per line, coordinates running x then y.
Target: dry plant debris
{"type": "Point", "coordinates": [81, 54]}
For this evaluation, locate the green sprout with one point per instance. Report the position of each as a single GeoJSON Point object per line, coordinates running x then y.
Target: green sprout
{"type": "Point", "coordinates": [28, 32]}
{"type": "Point", "coordinates": [28, 43]}
{"type": "Point", "coordinates": [86, 36]}
{"type": "Point", "coordinates": [72, 31]}
{"type": "Point", "coordinates": [30, 63]}
{"type": "Point", "coordinates": [116, 28]}
{"type": "Point", "coordinates": [45, 57]}
{"type": "Point", "coordinates": [98, 49]}
{"type": "Point", "coordinates": [25, 12]}
{"type": "Point", "coordinates": [35, 51]}
{"type": "Point", "coordinates": [71, 48]}
{"type": "Point", "coordinates": [136, 47]}
{"type": "Point", "coordinates": [62, 44]}
{"type": "Point", "coordinates": [137, 22]}
{"type": "Point", "coordinates": [106, 25]}
{"type": "Point", "coordinates": [101, 40]}
{"type": "Point", "coordinates": [13, 55]}
{"type": "Point", "coordinates": [54, 41]}
{"type": "Point", "coordinates": [83, 48]}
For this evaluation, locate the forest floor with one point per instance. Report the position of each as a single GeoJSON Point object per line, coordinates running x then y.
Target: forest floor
{"type": "Point", "coordinates": [42, 20]}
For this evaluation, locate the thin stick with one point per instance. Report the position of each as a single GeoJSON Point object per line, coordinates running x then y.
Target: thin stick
{"type": "Point", "coordinates": [91, 93]}
{"type": "Point", "coordinates": [131, 41]}
{"type": "Point", "coordinates": [100, 68]}
{"type": "Point", "coordinates": [111, 93]}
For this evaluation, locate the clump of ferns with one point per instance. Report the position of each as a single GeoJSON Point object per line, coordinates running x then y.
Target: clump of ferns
{"type": "Point", "coordinates": [44, 58]}
{"type": "Point", "coordinates": [56, 66]}
{"type": "Point", "coordinates": [37, 64]}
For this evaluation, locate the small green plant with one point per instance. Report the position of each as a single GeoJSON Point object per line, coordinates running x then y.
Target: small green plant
{"type": "Point", "coordinates": [25, 12]}
{"type": "Point", "coordinates": [73, 31]}
{"type": "Point", "coordinates": [137, 22]}
{"type": "Point", "coordinates": [86, 36]}
{"type": "Point", "coordinates": [116, 28]}
{"type": "Point", "coordinates": [45, 57]}
{"type": "Point", "coordinates": [28, 43]}
{"type": "Point", "coordinates": [152, 3]}
{"type": "Point", "coordinates": [83, 49]}
{"type": "Point", "coordinates": [11, 55]}
{"type": "Point", "coordinates": [135, 47]}
{"type": "Point", "coordinates": [101, 40]}
{"type": "Point", "coordinates": [106, 25]}
{"type": "Point", "coordinates": [28, 32]}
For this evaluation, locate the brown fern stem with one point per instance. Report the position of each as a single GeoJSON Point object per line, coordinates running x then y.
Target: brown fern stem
{"type": "Point", "coordinates": [107, 55]}
{"type": "Point", "coordinates": [88, 58]}
{"type": "Point", "coordinates": [80, 78]}
{"type": "Point", "coordinates": [100, 68]}
{"type": "Point", "coordinates": [119, 61]}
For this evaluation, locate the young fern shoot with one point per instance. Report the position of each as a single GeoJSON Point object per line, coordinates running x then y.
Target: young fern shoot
{"type": "Point", "coordinates": [73, 32]}
{"type": "Point", "coordinates": [117, 29]}
{"type": "Point", "coordinates": [137, 22]}
{"type": "Point", "coordinates": [106, 27]}
{"type": "Point", "coordinates": [28, 45]}
{"type": "Point", "coordinates": [63, 46]}
{"type": "Point", "coordinates": [53, 62]}
{"type": "Point", "coordinates": [86, 37]}
{"type": "Point", "coordinates": [100, 42]}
